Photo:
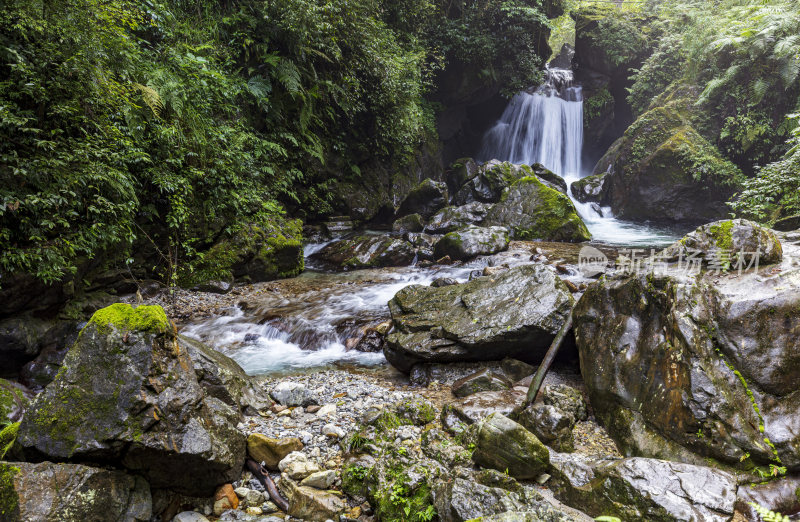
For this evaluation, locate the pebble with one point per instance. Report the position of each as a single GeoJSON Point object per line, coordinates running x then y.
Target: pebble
{"type": "Point", "coordinates": [331, 430]}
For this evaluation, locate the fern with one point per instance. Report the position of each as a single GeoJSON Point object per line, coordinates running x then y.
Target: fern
{"type": "Point", "coordinates": [767, 515]}
{"type": "Point", "coordinates": [151, 98]}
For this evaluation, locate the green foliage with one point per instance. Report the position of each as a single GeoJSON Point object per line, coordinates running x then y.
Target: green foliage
{"type": "Point", "coordinates": [662, 68]}
{"type": "Point", "coordinates": [768, 515]}
{"type": "Point", "coordinates": [599, 105]}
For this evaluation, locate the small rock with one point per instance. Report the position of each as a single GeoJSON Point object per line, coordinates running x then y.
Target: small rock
{"type": "Point", "coordinates": [254, 498]}
{"type": "Point", "coordinates": [483, 380]}
{"type": "Point", "coordinates": [320, 480]}
{"type": "Point", "coordinates": [331, 430]}
{"type": "Point", "coordinates": [292, 394]}
{"type": "Point", "coordinates": [224, 499]}
{"type": "Point", "coordinates": [254, 510]}
{"type": "Point", "coordinates": [241, 492]}
{"type": "Point", "coordinates": [271, 451]}
{"type": "Point", "coordinates": [189, 516]}
{"type": "Point", "coordinates": [297, 466]}
{"type": "Point", "coordinates": [326, 410]}
{"type": "Point", "coordinates": [443, 281]}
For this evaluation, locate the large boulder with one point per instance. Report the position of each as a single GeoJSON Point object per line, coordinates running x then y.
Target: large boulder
{"type": "Point", "coordinates": [71, 493]}
{"type": "Point", "coordinates": [493, 177]}
{"type": "Point", "coordinates": [470, 242]}
{"type": "Point", "coordinates": [691, 366]}
{"type": "Point", "coordinates": [515, 313]}
{"type": "Point", "coordinates": [533, 210]}
{"type": "Point", "coordinates": [506, 446]}
{"type": "Point", "coordinates": [20, 341]}
{"type": "Point", "coordinates": [424, 199]}
{"type": "Point", "coordinates": [646, 489]}
{"type": "Point", "coordinates": [661, 169]}
{"type": "Point", "coordinates": [589, 189]}
{"type": "Point", "coordinates": [450, 219]}
{"type": "Point", "coordinates": [726, 242]}
{"type": "Point", "coordinates": [128, 395]}
{"type": "Point", "coordinates": [366, 252]}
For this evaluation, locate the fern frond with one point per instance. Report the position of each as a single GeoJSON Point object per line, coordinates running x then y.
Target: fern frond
{"type": "Point", "coordinates": [759, 88]}
{"type": "Point", "coordinates": [289, 76]}
{"type": "Point", "coordinates": [767, 515]}
{"type": "Point", "coordinates": [151, 98]}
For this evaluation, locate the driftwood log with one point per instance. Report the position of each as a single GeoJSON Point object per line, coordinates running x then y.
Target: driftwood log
{"type": "Point", "coordinates": [262, 475]}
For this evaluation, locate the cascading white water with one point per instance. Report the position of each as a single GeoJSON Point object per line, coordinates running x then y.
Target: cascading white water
{"type": "Point", "coordinates": [546, 127]}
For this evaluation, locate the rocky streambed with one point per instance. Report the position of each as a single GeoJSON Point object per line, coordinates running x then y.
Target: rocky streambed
{"type": "Point", "coordinates": [675, 399]}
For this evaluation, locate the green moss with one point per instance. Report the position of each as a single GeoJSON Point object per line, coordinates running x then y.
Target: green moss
{"type": "Point", "coordinates": [721, 233]}
{"type": "Point", "coordinates": [554, 217]}
{"type": "Point", "coordinates": [143, 318]}
{"type": "Point", "coordinates": [398, 502]}
{"type": "Point", "coordinates": [10, 397]}
{"type": "Point", "coordinates": [353, 478]}
{"type": "Point", "coordinates": [9, 500]}
{"type": "Point", "coordinates": [8, 436]}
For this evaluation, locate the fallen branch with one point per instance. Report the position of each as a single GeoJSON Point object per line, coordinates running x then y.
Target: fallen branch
{"type": "Point", "coordinates": [262, 475]}
{"type": "Point", "coordinates": [549, 357]}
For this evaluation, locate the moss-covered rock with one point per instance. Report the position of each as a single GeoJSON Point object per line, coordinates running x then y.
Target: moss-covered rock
{"type": "Point", "coordinates": [128, 394]}
{"type": "Point", "coordinates": [507, 446]}
{"type": "Point", "coordinates": [409, 223]}
{"type": "Point", "coordinates": [533, 210]}
{"type": "Point", "coordinates": [263, 251]}
{"type": "Point", "coordinates": [356, 252]}
{"type": "Point", "coordinates": [70, 493]}
{"type": "Point", "coordinates": [663, 170]}
{"type": "Point", "coordinates": [450, 219]}
{"type": "Point", "coordinates": [472, 241]}
{"type": "Point", "coordinates": [424, 199]}
{"type": "Point", "coordinates": [589, 189]}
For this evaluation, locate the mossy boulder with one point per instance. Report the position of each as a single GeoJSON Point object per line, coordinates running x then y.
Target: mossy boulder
{"type": "Point", "coordinates": [507, 446]}
{"type": "Point", "coordinates": [269, 249]}
{"type": "Point", "coordinates": [409, 223]}
{"type": "Point", "coordinates": [366, 252]}
{"type": "Point", "coordinates": [71, 493]}
{"type": "Point", "coordinates": [424, 199]}
{"type": "Point", "coordinates": [515, 313]}
{"type": "Point", "coordinates": [128, 394]}
{"type": "Point", "coordinates": [489, 182]}
{"type": "Point", "coordinates": [472, 241]}
{"type": "Point", "coordinates": [533, 210]}
{"type": "Point", "coordinates": [662, 170]}
{"type": "Point", "coordinates": [687, 367]}
{"type": "Point", "coordinates": [728, 242]}
{"type": "Point", "coordinates": [589, 189]}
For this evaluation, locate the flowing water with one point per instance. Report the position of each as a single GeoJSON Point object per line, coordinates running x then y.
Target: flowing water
{"type": "Point", "coordinates": [313, 320]}
{"type": "Point", "coordinates": [546, 127]}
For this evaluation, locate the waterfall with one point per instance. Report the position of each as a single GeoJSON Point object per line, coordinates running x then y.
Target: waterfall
{"type": "Point", "coordinates": [545, 127]}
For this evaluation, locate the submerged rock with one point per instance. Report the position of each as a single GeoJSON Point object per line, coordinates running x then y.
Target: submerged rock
{"type": "Point", "coordinates": [365, 252]}
{"type": "Point", "coordinates": [128, 394]}
{"type": "Point", "coordinates": [589, 189]}
{"type": "Point", "coordinates": [513, 314]}
{"type": "Point", "coordinates": [470, 242]}
{"type": "Point", "coordinates": [71, 493]}
{"type": "Point", "coordinates": [686, 367]}
{"type": "Point", "coordinates": [533, 210]}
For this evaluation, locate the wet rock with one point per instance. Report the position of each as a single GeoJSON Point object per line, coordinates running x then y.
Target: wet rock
{"type": "Point", "coordinates": [515, 314]}
{"type": "Point", "coordinates": [589, 189]}
{"type": "Point", "coordinates": [787, 224]}
{"type": "Point", "coordinates": [504, 445]}
{"type": "Point", "coordinates": [723, 240]}
{"type": "Point", "coordinates": [657, 490]}
{"type": "Point", "coordinates": [531, 210]}
{"type": "Point", "coordinates": [483, 380]}
{"type": "Point", "coordinates": [424, 199]}
{"type": "Point", "coordinates": [290, 393]}
{"type": "Point", "coordinates": [128, 394]}
{"type": "Point", "coordinates": [41, 371]}
{"type": "Point", "coordinates": [366, 252]}
{"type": "Point", "coordinates": [372, 340]}
{"type": "Point", "coordinates": [461, 171]}
{"type": "Point", "coordinates": [472, 241]}
{"type": "Point", "coordinates": [427, 373]}
{"type": "Point", "coordinates": [450, 219]}
{"type": "Point", "coordinates": [269, 450]}
{"type": "Point", "coordinates": [460, 500]}
{"type": "Point", "coordinates": [189, 516]}
{"type": "Point", "coordinates": [71, 493]}
{"type": "Point", "coordinates": [780, 495]}
{"type": "Point", "coordinates": [214, 287]}
{"type": "Point", "coordinates": [443, 281]}
{"type": "Point", "coordinates": [20, 342]}
{"type": "Point", "coordinates": [551, 425]}
{"type": "Point", "coordinates": [409, 223]}
{"type": "Point", "coordinates": [492, 178]}
{"type": "Point", "coordinates": [688, 367]}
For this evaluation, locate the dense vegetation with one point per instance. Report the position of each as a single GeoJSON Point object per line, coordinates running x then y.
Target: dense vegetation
{"type": "Point", "coordinates": [170, 125]}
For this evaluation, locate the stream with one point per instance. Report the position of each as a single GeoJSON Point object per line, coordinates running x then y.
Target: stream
{"type": "Point", "coordinates": [310, 322]}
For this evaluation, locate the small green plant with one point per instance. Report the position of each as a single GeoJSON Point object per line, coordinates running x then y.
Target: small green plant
{"type": "Point", "coordinates": [357, 441]}
{"type": "Point", "coordinates": [768, 515]}
{"type": "Point", "coordinates": [607, 519]}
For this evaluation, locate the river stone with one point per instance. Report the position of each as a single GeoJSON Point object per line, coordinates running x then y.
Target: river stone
{"type": "Point", "coordinates": [409, 223]}
{"type": "Point", "coordinates": [271, 451]}
{"type": "Point", "coordinates": [483, 380]}
{"type": "Point", "coordinates": [516, 313]}
{"type": "Point", "coordinates": [366, 252]}
{"type": "Point", "coordinates": [297, 466]}
{"type": "Point", "coordinates": [71, 493]}
{"type": "Point", "coordinates": [128, 394]}
{"type": "Point", "coordinates": [290, 393]}
{"type": "Point", "coordinates": [532, 210]}
{"type": "Point", "coordinates": [450, 219]}
{"type": "Point", "coordinates": [320, 480]}
{"type": "Point", "coordinates": [470, 242]}
{"type": "Point", "coordinates": [424, 199]}
{"type": "Point", "coordinates": [723, 240]}
{"type": "Point", "coordinates": [656, 490]}
{"type": "Point", "coordinates": [507, 446]}
{"type": "Point", "coordinates": [461, 171]}
{"type": "Point", "coordinates": [551, 425]}
{"type": "Point", "coordinates": [189, 516]}
{"type": "Point", "coordinates": [312, 504]}
{"type": "Point", "coordinates": [686, 367]}
{"type": "Point", "coordinates": [460, 500]}
{"type": "Point", "coordinates": [780, 495]}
